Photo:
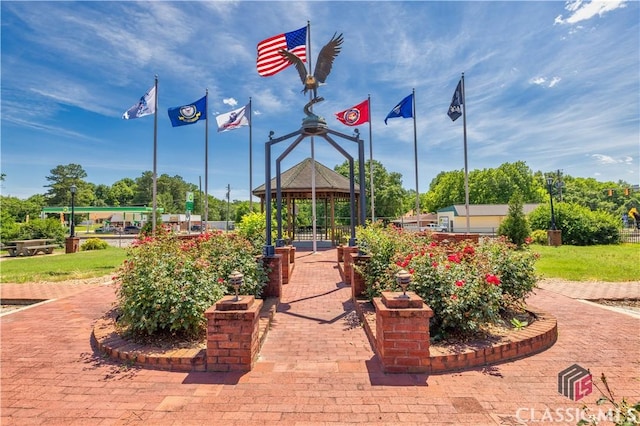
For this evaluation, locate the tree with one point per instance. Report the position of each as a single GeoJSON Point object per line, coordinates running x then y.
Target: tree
{"type": "Point", "coordinates": [61, 179]}
{"type": "Point", "coordinates": [487, 186]}
{"type": "Point", "coordinates": [515, 226]}
{"type": "Point", "coordinates": [387, 190]}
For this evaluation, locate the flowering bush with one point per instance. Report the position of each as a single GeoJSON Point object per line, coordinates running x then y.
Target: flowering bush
{"type": "Point", "coordinates": [466, 284]}
{"type": "Point", "coordinates": [384, 245]}
{"type": "Point", "coordinates": [167, 283]}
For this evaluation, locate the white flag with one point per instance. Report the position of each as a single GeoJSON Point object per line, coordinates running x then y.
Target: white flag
{"type": "Point", "coordinates": [145, 106]}
{"type": "Point", "coordinates": [234, 119]}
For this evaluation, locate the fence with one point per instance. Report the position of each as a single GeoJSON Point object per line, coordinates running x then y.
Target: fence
{"type": "Point", "coordinates": [630, 235]}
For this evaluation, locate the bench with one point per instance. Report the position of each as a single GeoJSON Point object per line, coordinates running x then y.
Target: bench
{"type": "Point", "coordinates": [45, 248]}
{"type": "Point", "coordinates": [11, 249]}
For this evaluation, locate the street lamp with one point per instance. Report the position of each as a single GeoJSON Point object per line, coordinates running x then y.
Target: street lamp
{"type": "Point", "coordinates": [73, 200]}
{"type": "Point", "coordinates": [553, 216]}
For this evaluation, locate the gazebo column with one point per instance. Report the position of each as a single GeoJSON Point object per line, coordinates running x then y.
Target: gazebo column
{"type": "Point", "coordinates": [289, 211]}
{"type": "Point", "coordinates": [333, 218]}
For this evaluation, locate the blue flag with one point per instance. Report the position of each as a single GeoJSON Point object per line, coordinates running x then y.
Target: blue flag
{"type": "Point", "coordinates": [455, 109]}
{"type": "Point", "coordinates": [403, 109]}
{"type": "Point", "coordinates": [188, 114]}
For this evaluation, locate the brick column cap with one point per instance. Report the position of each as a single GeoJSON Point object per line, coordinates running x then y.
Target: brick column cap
{"type": "Point", "coordinates": [229, 303]}
{"type": "Point", "coordinates": [392, 300]}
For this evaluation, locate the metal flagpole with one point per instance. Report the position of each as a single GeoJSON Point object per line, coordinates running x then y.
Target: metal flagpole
{"type": "Point", "coordinates": [155, 159]}
{"type": "Point", "coordinates": [415, 156]}
{"type": "Point", "coordinates": [206, 162]}
{"type": "Point", "coordinates": [373, 219]}
{"type": "Point", "coordinates": [250, 158]}
{"type": "Point", "coordinates": [466, 167]}
{"type": "Point", "coordinates": [313, 160]}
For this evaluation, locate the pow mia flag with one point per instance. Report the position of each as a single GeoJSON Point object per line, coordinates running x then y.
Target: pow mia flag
{"type": "Point", "coordinates": [455, 109]}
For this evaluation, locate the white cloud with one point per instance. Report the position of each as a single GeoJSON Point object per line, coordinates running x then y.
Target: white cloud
{"type": "Point", "coordinates": [554, 81]}
{"type": "Point", "coordinates": [542, 81]}
{"type": "Point", "coordinates": [582, 11]}
{"type": "Point", "coordinates": [606, 159]}
{"type": "Point", "coordinates": [230, 101]}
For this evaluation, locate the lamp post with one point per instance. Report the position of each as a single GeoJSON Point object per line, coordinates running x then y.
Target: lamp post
{"type": "Point", "coordinates": [404, 279]}
{"type": "Point", "coordinates": [553, 216]}
{"type": "Point", "coordinates": [73, 199]}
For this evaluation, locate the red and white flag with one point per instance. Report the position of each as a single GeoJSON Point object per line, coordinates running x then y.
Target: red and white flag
{"type": "Point", "coordinates": [356, 115]}
{"type": "Point", "coordinates": [270, 61]}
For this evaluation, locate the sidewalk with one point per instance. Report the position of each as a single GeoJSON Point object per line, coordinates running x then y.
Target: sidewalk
{"type": "Point", "coordinates": [316, 366]}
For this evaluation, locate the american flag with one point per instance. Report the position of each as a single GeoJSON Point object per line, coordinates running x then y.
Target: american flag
{"type": "Point", "coordinates": [270, 61]}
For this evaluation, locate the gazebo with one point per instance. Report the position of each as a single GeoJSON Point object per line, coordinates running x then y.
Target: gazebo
{"type": "Point", "coordinates": [330, 187]}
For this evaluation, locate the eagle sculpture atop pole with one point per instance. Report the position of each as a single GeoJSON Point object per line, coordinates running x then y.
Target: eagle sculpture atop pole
{"type": "Point", "coordinates": [323, 66]}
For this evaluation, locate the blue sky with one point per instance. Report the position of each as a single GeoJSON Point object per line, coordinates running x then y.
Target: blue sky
{"type": "Point", "coordinates": [553, 84]}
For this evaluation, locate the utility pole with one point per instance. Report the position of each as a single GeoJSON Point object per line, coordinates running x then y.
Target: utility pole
{"type": "Point", "coordinates": [559, 184]}
{"type": "Point", "coordinates": [228, 203]}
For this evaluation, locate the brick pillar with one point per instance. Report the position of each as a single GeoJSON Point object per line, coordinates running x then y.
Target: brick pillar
{"type": "Point", "coordinates": [292, 255]}
{"type": "Point", "coordinates": [284, 253]}
{"type": "Point", "coordinates": [340, 253]}
{"type": "Point", "coordinates": [357, 279]}
{"type": "Point", "coordinates": [402, 333]}
{"type": "Point", "coordinates": [274, 285]}
{"type": "Point", "coordinates": [348, 253]}
{"type": "Point", "coordinates": [232, 334]}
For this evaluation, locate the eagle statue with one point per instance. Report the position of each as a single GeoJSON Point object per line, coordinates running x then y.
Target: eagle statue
{"type": "Point", "coordinates": [323, 65]}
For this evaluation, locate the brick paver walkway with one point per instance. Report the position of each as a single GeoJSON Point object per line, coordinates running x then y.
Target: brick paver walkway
{"type": "Point", "coordinates": [316, 367]}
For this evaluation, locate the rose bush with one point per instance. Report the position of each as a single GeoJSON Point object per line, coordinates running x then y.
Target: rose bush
{"type": "Point", "coordinates": [466, 284]}
{"type": "Point", "coordinates": [166, 283]}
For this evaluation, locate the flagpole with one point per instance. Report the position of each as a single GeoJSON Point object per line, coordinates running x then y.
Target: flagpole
{"type": "Point", "coordinates": [206, 161]}
{"type": "Point", "coordinates": [415, 156]}
{"type": "Point", "coordinates": [155, 158]}
{"type": "Point", "coordinates": [373, 219]}
{"type": "Point", "coordinates": [250, 158]}
{"type": "Point", "coordinates": [313, 159]}
{"type": "Point", "coordinates": [466, 167]}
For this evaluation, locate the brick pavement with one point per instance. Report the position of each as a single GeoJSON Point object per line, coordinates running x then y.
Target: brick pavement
{"type": "Point", "coordinates": [316, 367]}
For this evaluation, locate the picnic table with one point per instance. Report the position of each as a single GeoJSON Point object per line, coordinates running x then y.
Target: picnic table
{"type": "Point", "coordinates": [30, 247]}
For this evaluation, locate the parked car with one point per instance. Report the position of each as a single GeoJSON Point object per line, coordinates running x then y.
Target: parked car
{"type": "Point", "coordinates": [434, 227]}
{"type": "Point", "coordinates": [131, 229]}
{"type": "Point", "coordinates": [104, 230]}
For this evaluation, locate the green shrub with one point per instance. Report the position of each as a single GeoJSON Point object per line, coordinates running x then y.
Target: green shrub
{"type": "Point", "coordinates": [466, 284]}
{"type": "Point", "coordinates": [515, 226]}
{"type": "Point", "coordinates": [579, 225]}
{"type": "Point", "coordinates": [42, 228]}
{"type": "Point", "coordinates": [94, 244]}
{"type": "Point", "coordinates": [253, 227]}
{"type": "Point", "coordinates": [166, 283]}
{"type": "Point", "coordinates": [539, 237]}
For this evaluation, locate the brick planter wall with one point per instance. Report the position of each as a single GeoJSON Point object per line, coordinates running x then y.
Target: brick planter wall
{"type": "Point", "coordinates": [402, 333]}
{"type": "Point", "coordinates": [535, 338]}
{"type": "Point", "coordinates": [292, 255]}
{"type": "Point", "coordinates": [348, 253]}
{"type": "Point", "coordinates": [285, 258]}
{"type": "Point", "coordinates": [455, 237]}
{"type": "Point", "coordinates": [233, 334]}
{"type": "Point", "coordinates": [274, 285]}
{"type": "Point", "coordinates": [357, 279]}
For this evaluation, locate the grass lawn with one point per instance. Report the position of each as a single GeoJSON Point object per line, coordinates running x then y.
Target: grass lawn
{"type": "Point", "coordinates": [613, 263]}
{"type": "Point", "coordinates": [83, 264]}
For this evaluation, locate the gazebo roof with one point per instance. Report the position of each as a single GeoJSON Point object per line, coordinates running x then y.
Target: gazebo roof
{"type": "Point", "coordinates": [297, 181]}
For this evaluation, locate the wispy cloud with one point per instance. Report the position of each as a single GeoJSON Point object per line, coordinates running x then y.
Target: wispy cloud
{"type": "Point", "coordinates": [606, 159]}
{"type": "Point", "coordinates": [580, 10]}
